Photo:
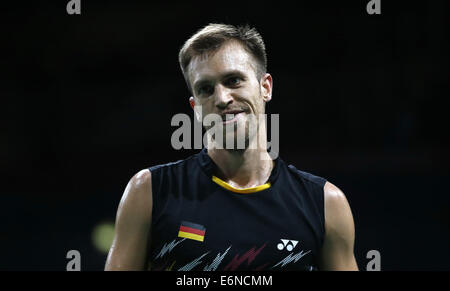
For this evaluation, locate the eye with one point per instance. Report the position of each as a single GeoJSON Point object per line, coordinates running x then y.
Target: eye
{"type": "Point", "coordinates": [205, 90]}
{"type": "Point", "coordinates": [233, 81]}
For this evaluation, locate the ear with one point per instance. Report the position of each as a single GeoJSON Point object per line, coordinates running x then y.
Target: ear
{"type": "Point", "coordinates": [195, 108]}
{"type": "Point", "coordinates": [192, 102]}
{"type": "Point", "coordinates": [266, 87]}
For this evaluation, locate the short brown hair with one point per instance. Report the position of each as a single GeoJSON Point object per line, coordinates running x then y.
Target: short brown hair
{"type": "Point", "coordinates": [214, 35]}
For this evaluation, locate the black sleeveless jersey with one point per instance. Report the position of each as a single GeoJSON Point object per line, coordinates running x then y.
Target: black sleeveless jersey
{"type": "Point", "coordinates": [200, 222]}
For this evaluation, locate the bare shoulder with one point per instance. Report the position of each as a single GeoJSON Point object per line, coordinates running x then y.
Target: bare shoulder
{"type": "Point", "coordinates": [338, 215]}
{"type": "Point", "coordinates": [138, 192]}
{"type": "Point", "coordinates": [141, 179]}
{"type": "Point", "coordinates": [337, 249]}
{"type": "Point", "coordinates": [132, 225]}
{"type": "Point", "coordinates": [333, 195]}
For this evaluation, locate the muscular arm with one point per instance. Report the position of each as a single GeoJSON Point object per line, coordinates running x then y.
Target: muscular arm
{"type": "Point", "coordinates": [337, 251]}
{"type": "Point", "coordinates": [132, 228]}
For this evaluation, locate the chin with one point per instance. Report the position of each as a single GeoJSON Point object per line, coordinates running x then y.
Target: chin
{"type": "Point", "coordinates": [233, 138]}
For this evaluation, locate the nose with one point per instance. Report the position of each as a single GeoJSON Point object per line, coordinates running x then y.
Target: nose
{"type": "Point", "coordinates": [223, 97]}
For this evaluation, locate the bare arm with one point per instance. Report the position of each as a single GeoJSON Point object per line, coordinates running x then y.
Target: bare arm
{"type": "Point", "coordinates": [132, 229]}
{"type": "Point", "coordinates": [337, 252]}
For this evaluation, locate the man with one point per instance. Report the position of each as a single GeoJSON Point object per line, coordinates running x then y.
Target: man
{"type": "Point", "coordinates": [228, 208]}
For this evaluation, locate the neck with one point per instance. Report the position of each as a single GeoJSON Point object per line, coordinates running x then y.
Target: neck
{"type": "Point", "coordinates": [242, 168]}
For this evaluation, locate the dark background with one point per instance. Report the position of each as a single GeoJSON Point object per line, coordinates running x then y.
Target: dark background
{"type": "Point", "coordinates": [87, 102]}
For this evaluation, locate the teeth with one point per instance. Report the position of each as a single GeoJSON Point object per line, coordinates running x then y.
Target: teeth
{"type": "Point", "coordinates": [228, 117]}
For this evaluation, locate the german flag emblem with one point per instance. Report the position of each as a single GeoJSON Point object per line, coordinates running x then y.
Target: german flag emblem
{"type": "Point", "coordinates": [192, 231]}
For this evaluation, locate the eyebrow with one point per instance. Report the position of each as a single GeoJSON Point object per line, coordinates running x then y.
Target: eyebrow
{"type": "Point", "coordinates": [228, 74]}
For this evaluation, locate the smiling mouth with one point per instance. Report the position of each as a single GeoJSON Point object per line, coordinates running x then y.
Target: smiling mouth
{"type": "Point", "coordinates": [232, 116]}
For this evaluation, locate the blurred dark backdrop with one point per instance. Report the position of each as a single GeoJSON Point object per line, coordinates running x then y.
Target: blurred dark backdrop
{"type": "Point", "coordinates": [87, 102]}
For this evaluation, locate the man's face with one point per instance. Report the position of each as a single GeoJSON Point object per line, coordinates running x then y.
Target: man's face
{"type": "Point", "coordinates": [225, 82]}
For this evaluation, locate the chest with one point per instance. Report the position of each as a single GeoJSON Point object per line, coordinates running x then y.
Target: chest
{"type": "Point", "coordinates": [220, 231]}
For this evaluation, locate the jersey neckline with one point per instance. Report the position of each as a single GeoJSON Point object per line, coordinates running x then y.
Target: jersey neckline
{"type": "Point", "coordinates": [209, 168]}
